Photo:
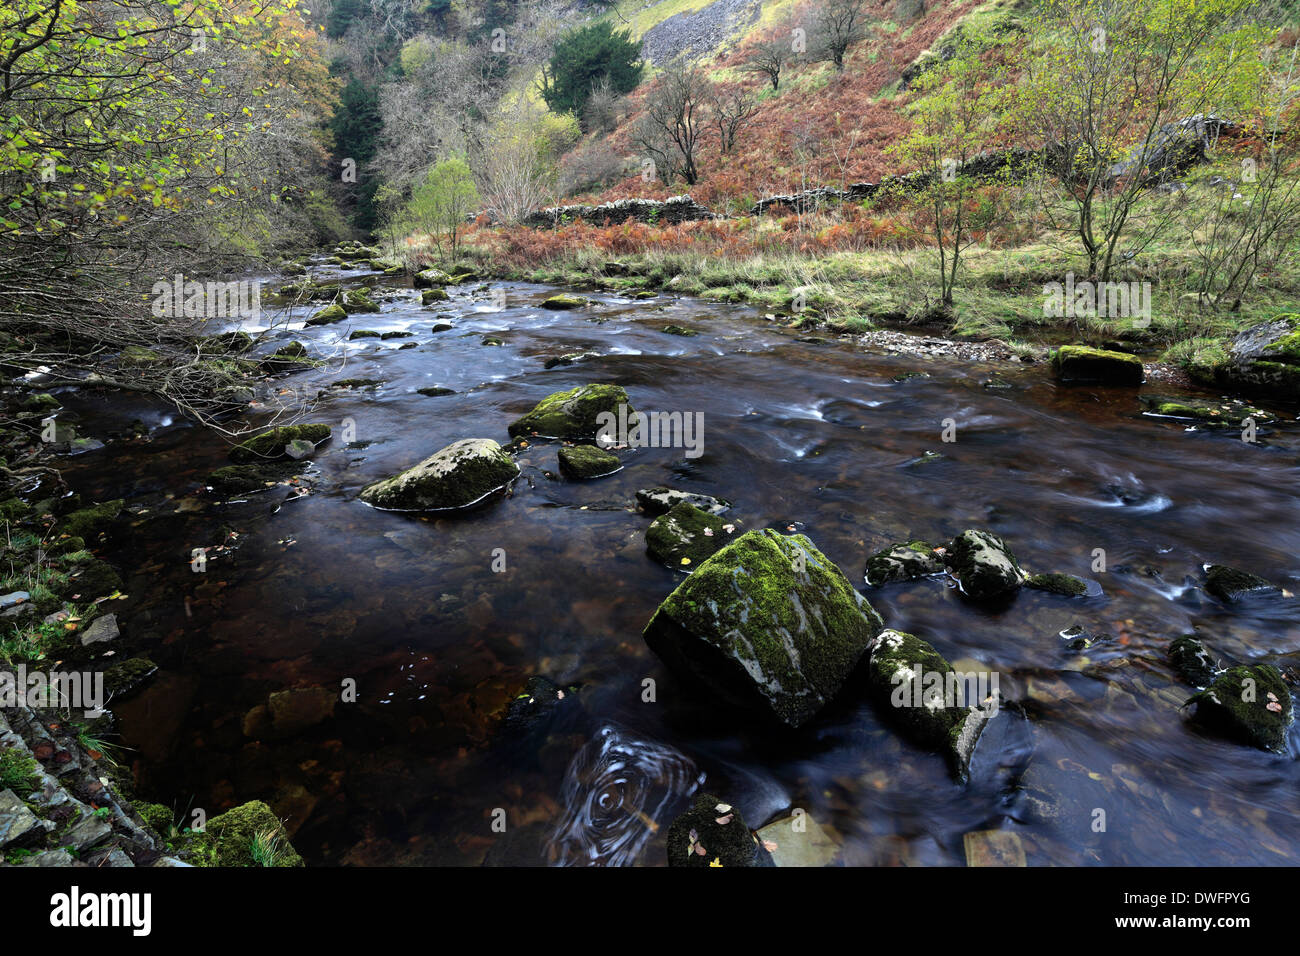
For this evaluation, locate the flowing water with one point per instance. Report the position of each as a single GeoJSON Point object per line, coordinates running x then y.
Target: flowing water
{"type": "Point", "coordinates": [317, 590]}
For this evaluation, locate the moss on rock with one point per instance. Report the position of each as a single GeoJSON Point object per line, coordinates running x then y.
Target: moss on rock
{"type": "Point", "coordinates": [1191, 660]}
{"type": "Point", "coordinates": [575, 414]}
{"type": "Point", "coordinates": [89, 522]}
{"type": "Point", "coordinates": [1251, 703]}
{"type": "Point", "coordinates": [329, 315]}
{"type": "Point", "coordinates": [984, 565]}
{"type": "Point", "coordinates": [462, 474]}
{"type": "Point", "coordinates": [1067, 585]}
{"type": "Point", "coordinates": [564, 301]}
{"type": "Point", "coordinates": [271, 445]}
{"type": "Point", "coordinates": [1081, 363]}
{"type": "Point", "coordinates": [248, 835]}
{"type": "Point", "coordinates": [767, 623]}
{"type": "Point", "coordinates": [684, 536]}
{"type": "Point", "coordinates": [1231, 585]}
{"type": "Point", "coordinates": [712, 833]}
{"type": "Point", "coordinates": [902, 562]}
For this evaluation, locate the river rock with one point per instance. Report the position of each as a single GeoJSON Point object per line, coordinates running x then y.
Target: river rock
{"type": "Point", "coordinates": [767, 623]}
{"type": "Point", "coordinates": [462, 474]}
{"type": "Point", "coordinates": [799, 840]}
{"type": "Point", "coordinates": [293, 711]}
{"type": "Point", "coordinates": [657, 501]}
{"type": "Point", "coordinates": [983, 565]}
{"type": "Point", "coordinates": [329, 315]}
{"type": "Point", "coordinates": [1066, 585]}
{"type": "Point", "coordinates": [1080, 363]}
{"type": "Point", "coordinates": [564, 301]}
{"type": "Point", "coordinates": [1231, 585]}
{"type": "Point", "coordinates": [1192, 661]}
{"type": "Point", "coordinates": [18, 825]}
{"type": "Point", "coordinates": [585, 461]}
{"type": "Point", "coordinates": [903, 562]}
{"type": "Point", "coordinates": [358, 300]}
{"type": "Point", "coordinates": [427, 278]}
{"type": "Point", "coordinates": [430, 296]}
{"type": "Point", "coordinates": [684, 536]}
{"type": "Point", "coordinates": [713, 834]}
{"type": "Point", "coordinates": [573, 414]}
{"type": "Point", "coordinates": [1251, 703]}
{"type": "Point", "coordinates": [273, 445]}
{"type": "Point", "coordinates": [101, 630]}
{"type": "Point", "coordinates": [1263, 359]}
{"type": "Point", "coordinates": [926, 713]}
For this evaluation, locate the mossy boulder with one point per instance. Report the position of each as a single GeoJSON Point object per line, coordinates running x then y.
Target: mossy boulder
{"type": "Point", "coordinates": [329, 315]}
{"type": "Point", "coordinates": [273, 445]}
{"type": "Point", "coordinates": [1081, 363]}
{"type": "Point", "coordinates": [684, 536]}
{"type": "Point", "coordinates": [462, 474]}
{"type": "Point", "coordinates": [712, 833]}
{"type": "Point", "coordinates": [429, 278]}
{"type": "Point", "coordinates": [1232, 585]}
{"type": "Point", "coordinates": [363, 334]}
{"type": "Point", "coordinates": [493, 340]}
{"type": "Point", "coordinates": [1192, 661]}
{"type": "Point", "coordinates": [564, 301]}
{"type": "Point", "coordinates": [679, 330]}
{"type": "Point", "coordinates": [157, 816]}
{"type": "Point", "coordinates": [1250, 703]}
{"type": "Point", "coordinates": [228, 343]}
{"type": "Point", "coordinates": [767, 623]}
{"type": "Point", "coordinates": [122, 678]}
{"type": "Point", "coordinates": [575, 414]}
{"type": "Point", "coordinates": [903, 562]}
{"type": "Point", "coordinates": [585, 461]}
{"type": "Point", "coordinates": [984, 566]}
{"type": "Point", "coordinates": [1066, 585]}
{"type": "Point", "coordinates": [358, 300]}
{"type": "Point", "coordinates": [1263, 360]}
{"type": "Point", "coordinates": [289, 358]}
{"type": "Point", "coordinates": [657, 501]}
{"type": "Point", "coordinates": [139, 355]}
{"type": "Point", "coordinates": [430, 296]}
{"type": "Point", "coordinates": [1226, 414]}
{"type": "Point", "coordinates": [248, 835]}
{"type": "Point", "coordinates": [89, 522]}
{"type": "Point", "coordinates": [435, 390]}
{"type": "Point", "coordinates": [926, 699]}
{"type": "Point", "coordinates": [91, 579]}
{"type": "Point", "coordinates": [40, 402]}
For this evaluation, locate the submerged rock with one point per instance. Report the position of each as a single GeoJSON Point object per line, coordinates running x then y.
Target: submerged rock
{"type": "Point", "coordinates": [462, 474]}
{"type": "Point", "coordinates": [573, 414]}
{"type": "Point", "coordinates": [903, 562]}
{"type": "Point", "coordinates": [585, 461]}
{"type": "Point", "coordinates": [245, 479]}
{"type": "Point", "coordinates": [983, 565]}
{"type": "Point", "coordinates": [1251, 703]}
{"type": "Point", "coordinates": [1225, 414]}
{"type": "Point", "coordinates": [275, 444]}
{"type": "Point", "coordinates": [1080, 363]}
{"type": "Point", "coordinates": [767, 623]}
{"type": "Point", "coordinates": [926, 699]}
{"type": "Point", "coordinates": [1231, 585]}
{"type": "Point", "coordinates": [713, 833]}
{"type": "Point", "coordinates": [799, 840]}
{"type": "Point", "coordinates": [1066, 585]}
{"type": "Point", "coordinates": [684, 536]}
{"type": "Point", "coordinates": [1192, 661]}
{"type": "Point", "coordinates": [657, 501]}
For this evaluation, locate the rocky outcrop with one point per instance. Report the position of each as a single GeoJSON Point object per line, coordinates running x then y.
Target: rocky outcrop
{"type": "Point", "coordinates": [464, 473]}
{"type": "Point", "coordinates": [661, 212]}
{"type": "Point", "coordinates": [1261, 360]}
{"type": "Point", "coordinates": [768, 624]}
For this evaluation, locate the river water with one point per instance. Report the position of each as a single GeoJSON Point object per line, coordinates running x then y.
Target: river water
{"type": "Point", "coordinates": [823, 437]}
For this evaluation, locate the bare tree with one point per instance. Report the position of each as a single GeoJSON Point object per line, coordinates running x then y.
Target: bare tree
{"type": "Point", "coordinates": [675, 118]}
{"type": "Point", "coordinates": [769, 57]}
{"type": "Point", "coordinates": [603, 110]}
{"type": "Point", "coordinates": [732, 108]}
{"type": "Point", "coordinates": [838, 26]}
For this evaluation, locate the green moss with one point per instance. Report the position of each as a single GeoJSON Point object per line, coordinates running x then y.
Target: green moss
{"type": "Point", "coordinates": [329, 315]}
{"type": "Point", "coordinates": [431, 277]}
{"type": "Point", "coordinates": [460, 475]}
{"type": "Point", "coordinates": [89, 522]}
{"type": "Point", "coordinates": [1231, 584]}
{"type": "Point", "coordinates": [358, 300]}
{"type": "Point", "coordinates": [240, 836]}
{"type": "Point", "coordinates": [1192, 662]}
{"type": "Point", "coordinates": [564, 301]}
{"type": "Point", "coordinates": [138, 355]}
{"type": "Point", "coordinates": [18, 772]}
{"type": "Point", "coordinates": [245, 479]}
{"type": "Point", "coordinates": [573, 414]}
{"type": "Point", "coordinates": [270, 445]}
{"type": "Point", "coordinates": [127, 675]}
{"type": "Point", "coordinates": [1086, 364]}
{"type": "Point", "coordinates": [684, 536]}
{"type": "Point", "coordinates": [156, 816]}
{"type": "Point", "coordinates": [902, 562]}
{"type": "Point", "coordinates": [1252, 703]}
{"type": "Point", "coordinates": [430, 296]}
{"type": "Point", "coordinates": [363, 334]}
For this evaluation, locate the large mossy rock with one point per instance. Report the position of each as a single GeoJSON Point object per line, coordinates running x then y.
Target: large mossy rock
{"type": "Point", "coordinates": [922, 695]}
{"type": "Point", "coordinates": [1250, 703]}
{"type": "Point", "coordinates": [573, 414]}
{"type": "Point", "coordinates": [768, 623]}
{"type": "Point", "coordinates": [983, 565]}
{"type": "Point", "coordinates": [87, 523]}
{"type": "Point", "coordinates": [1261, 360]}
{"type": "Point", "coordinates": [358, 300]}
{"type": "Point", "coordinates": [329, 315]}
{"type": "Point", "coordinates": [279, 443]}
{"type": "Point", "coordinates": [712, 833]}
{"type": "Point", "coordinates": [684, 536]}
{"type": "Point", "coordinates": [248, 835]}
{"type": "Point", "coordinates": [462, 474]}
{"type": "Point", "coordinates": [1080, 363]}
{"type": "Point", "coordinates": [564, 301]}
{"type": "Point", "coordinates": [430, 278]}
{"type": "Point", "coordinates": [902, 562]}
